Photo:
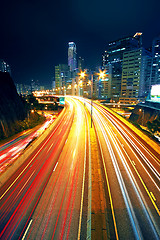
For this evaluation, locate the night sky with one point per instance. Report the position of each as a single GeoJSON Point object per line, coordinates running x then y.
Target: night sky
{"type": "Point", "coordinates": [34, 34]}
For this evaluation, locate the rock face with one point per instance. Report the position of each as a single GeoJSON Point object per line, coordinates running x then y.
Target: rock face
{"type": "Point", "coordinates": [11, 105]}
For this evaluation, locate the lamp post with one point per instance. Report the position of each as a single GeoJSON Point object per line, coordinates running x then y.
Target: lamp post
{"type": "Point", "coordinates": [91, 97]}
{"type": "Point", "coordinates": [102, 75]}
{"type": "Point", "coordinates": [142, 110]}
{"type": "Point", "coordinates": [82, 75]}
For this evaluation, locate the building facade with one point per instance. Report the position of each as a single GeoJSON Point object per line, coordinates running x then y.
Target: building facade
{"type": "Point", "coordinates": [114, 57]}
{"type": "Point", "coordinates": [133, 75]}
{"type": "Point", "coordinates": [72, 56]}
{"type": "Point", "coordinates": [155, 68]}
{"type": "Point", "coordinates": [63, 79]}
{"type": "Point", "coordinates": [81, 66]}
{"type": "Point", "coordinates": [152, 72]}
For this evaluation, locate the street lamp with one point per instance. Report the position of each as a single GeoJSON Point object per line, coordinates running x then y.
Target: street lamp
{"type": "Point", "coordinates": [142, 110]}
{"type": "Point", "coordinates": [82, 75]}
{"type": "Point", "coordinates": [91, 97]}
{"type": "Point", "coordinates": [102, 75]}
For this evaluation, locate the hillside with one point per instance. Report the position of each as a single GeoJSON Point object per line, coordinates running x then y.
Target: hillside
{"type": "Point", "coordinates": [11, 105]}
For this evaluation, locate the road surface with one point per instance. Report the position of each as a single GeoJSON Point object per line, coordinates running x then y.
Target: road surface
{"type": "Point", "coordinates": [53, 193]}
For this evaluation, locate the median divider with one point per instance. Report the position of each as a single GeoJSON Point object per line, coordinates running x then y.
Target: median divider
{"type": "Point", "coordinates": [96, 218]}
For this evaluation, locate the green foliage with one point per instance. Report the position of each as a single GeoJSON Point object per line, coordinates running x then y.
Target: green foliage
{"type": "Point", "coordinates": [33, 120]}
{"type": "Point", "coordinates": [154, 126]}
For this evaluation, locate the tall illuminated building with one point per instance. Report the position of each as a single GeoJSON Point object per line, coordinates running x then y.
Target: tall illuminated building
{"type": "Point", "coordinates": [152, 74]}
{"type": "Point", "coordinates": [155, 68]}
{"type": "Point", "coordinates": [114, 57]}
{"type": "Point", "coordinates": [80, 64]}
{"type": "Point", "coordinates": [63, 79]}
{"type": "Point", "coordinates": [133, 75]}
{"type": "Point", "coordinates": [72, 61]}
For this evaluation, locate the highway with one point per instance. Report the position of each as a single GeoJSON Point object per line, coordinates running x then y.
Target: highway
{"type": "Point", "coordinates": [132, 174]}
{"type": "Point", "coordinates": [44, 198]}
{"type": "Point", "coordinates": [11, 150]}
{"type": "Point", "coordinates": [53, 193]}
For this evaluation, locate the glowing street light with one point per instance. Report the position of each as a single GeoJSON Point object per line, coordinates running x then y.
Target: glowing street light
{"type": "Point", "coordinates": [102, 75]}
{"type": "Point", "coordinates": [82, 74]}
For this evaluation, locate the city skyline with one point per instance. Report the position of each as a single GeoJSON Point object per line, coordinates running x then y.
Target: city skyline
{"type": "Point", "coordinates": [35, 35]}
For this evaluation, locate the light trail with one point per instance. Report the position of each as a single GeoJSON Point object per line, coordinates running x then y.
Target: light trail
{"type": "Point", "coordinates": [143, 157]}
{"type": "Point", "coordinates": [47, 198]}
{"type": "Point", "coordinates": [84, 174]}
{"type": "Point", "coordinates": [155, 172]}
{"type": "Point", "coordinates": [109, 191]}
{"type": "Point", "coordinates": [119, 126]}
{"type": "Point", "coordinates": [31, 191]}
{"type": "Point", "coordinates": [124, 162]}
{"type": "Point", "coordinates": [126, 198]}
{"type": "Point", "coordinates": [67, 188]}
{"type": "Point", "coordinates": [32, 159]}
{"type": "Point", "coordinates": [115, 142]}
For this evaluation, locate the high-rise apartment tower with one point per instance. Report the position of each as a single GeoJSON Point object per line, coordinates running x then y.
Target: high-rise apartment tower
{"type": "Point", "coordinates": [72, 61]}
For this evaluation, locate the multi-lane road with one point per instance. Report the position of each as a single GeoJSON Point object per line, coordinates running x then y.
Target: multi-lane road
{"type": "Point", "coordinates": [51, 195]}
{"type": "Point", "coordinates": [12, 149]}
{"type": "Point", "coordinates": [132, 175]}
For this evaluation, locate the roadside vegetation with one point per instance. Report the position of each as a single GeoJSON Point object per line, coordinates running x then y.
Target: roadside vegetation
{"type": "Point", "coordinates": [31, 121]}
{"type": "Point", "coordinates": [154, 126]}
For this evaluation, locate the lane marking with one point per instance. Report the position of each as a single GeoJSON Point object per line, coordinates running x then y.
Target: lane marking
{"type": "Point", "coordinates": [31, 159]}
{"type": "Point", "coordinates": [133, 163]}
{"type": "Point", "coordinates": [151, 196]}
{"type": "Point", "coordinates": [145, 187]}
{"type": "Point", "coordinates": [27, 229]}
{"type": "Point", "coordinates": [55, 167]}
{"type": "Point", "coordinates": [109, 192]}
{"type": "Point", "coordinates": [125, 125]}
{"type": "Point", "coordinates": [49, 147]}
{"type": "Point", "coordinates": [84, 172]}
{"type": "Point", "coordinates": [106, 132]}
{"type": "Point", "coordinates": [89, 222]}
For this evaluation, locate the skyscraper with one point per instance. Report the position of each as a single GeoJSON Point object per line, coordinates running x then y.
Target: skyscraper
{"type": "Point", "coordinates": [72, 61]}
{"type": "Point", "coordinates": [133, 75]}
{"type": "Point", "coordinates": [62, 79]}
{"type": "Point", "coordinates": [114, 57]}
{"type": "Point", "coordinates": [80, 64]}
{"type": "Point", "coordinates": [156, 46]}
{"type": "Point", "coordinates": [152, 74]}
{"type": "Point", "coordinates": [155, 68]}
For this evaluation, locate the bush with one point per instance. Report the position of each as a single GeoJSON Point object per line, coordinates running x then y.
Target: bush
{"type": "Point", "coordinates": [154, 126]}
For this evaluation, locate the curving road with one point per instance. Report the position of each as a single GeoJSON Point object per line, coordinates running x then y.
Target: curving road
{"type": "Point", "coordinates": [132, 175]}
{"type": "Point", "coordinates": [50, 196]}
{"type": "Point", "coordinates": [11, 150]}
{"type": "Point", "coordinates": [45, 197]}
